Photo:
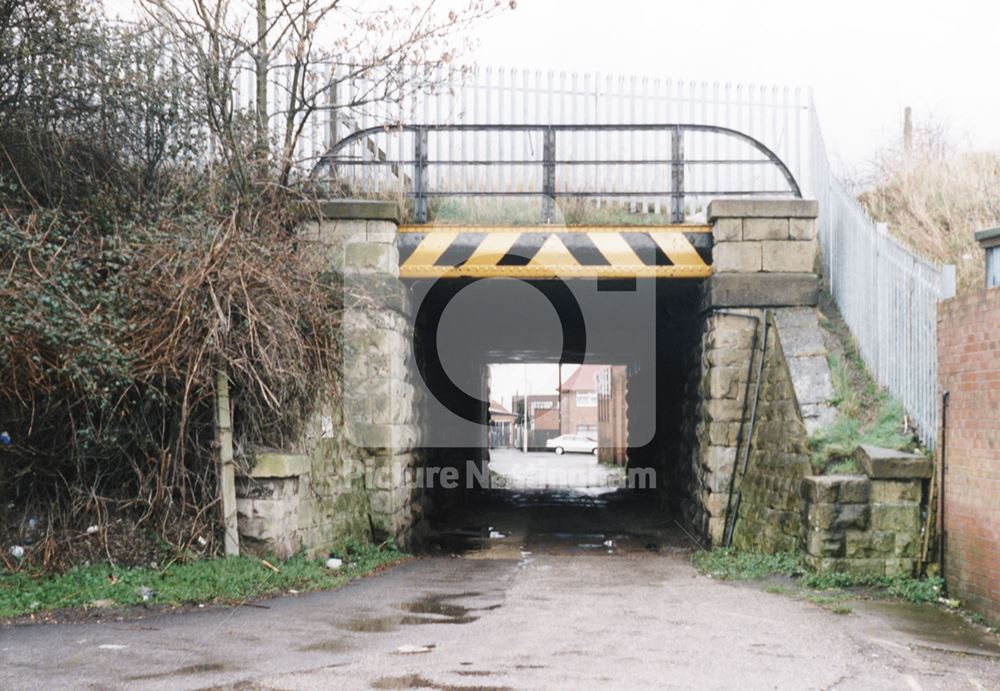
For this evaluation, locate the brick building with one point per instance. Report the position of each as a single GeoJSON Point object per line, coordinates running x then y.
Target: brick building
{"type": "Point", "coordinates": [578, 401]}
{"type": "Point", "coordinates": [969, 371]}
{"type": "Point", "coordinates": [543, 411]}
{"type": "Point", "coordinates": [502, 424]}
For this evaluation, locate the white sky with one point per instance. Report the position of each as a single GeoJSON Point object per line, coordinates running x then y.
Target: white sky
{"type": "Point", "coordinates": [508, 380]}
{"type": "Point", "coordinates": [865, 59]}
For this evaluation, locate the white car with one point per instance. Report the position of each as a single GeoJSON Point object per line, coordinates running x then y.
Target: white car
{"type": "Point", "coordinates": [572, 442]}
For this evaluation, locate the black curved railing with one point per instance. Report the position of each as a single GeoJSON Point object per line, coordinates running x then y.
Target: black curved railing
{"type": "Point", "coordinates": [416, 184]}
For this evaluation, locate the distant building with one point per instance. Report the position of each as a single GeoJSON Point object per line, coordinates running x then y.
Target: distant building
{"type": "Point", "coordinates": [544, 407]}
{"type": "Point", "coordinates": [578, 401]}
{"type": "Point", "coordinates": [501, 426]}
{"type": "Point", "coordinates": [593, 404]}
{"type": "Point", "coordinates": [544, 414]}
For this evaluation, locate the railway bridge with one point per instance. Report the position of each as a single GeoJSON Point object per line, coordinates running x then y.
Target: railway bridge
{"type": "Point", "coordinates": [704, 294]}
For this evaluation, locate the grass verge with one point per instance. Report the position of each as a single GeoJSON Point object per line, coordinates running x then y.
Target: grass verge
{"type": "Point", "coordinates": [216, 581]}
{"type": "Point", "coordinates": [731, 564]}
{"type": "Point", "coordinates": [866, 414]}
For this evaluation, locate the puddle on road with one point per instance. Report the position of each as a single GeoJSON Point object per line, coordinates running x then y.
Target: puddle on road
{"type": "Point", "coordinates": [937, 628]}
{"type": "Point", "coordinates": [336, 645]}
{"type": "Point", "coordinates": [429, 609]}
{"type": "Point", "coordinates": [436, 604]}
{"type": "Point", "coordinates": [555, 523]}
{"type": "Point", "coordinates": [416, 681]}
{"type": "Point", "coordinates": [180, 671]}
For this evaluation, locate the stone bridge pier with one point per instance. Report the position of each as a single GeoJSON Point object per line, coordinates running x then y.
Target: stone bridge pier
{"type": "Point", "coordinates": [350, 474]}
{"type": "Point", "coordinates": [761, 379]}
{"type": "Point", "coordinates": [749, 377]}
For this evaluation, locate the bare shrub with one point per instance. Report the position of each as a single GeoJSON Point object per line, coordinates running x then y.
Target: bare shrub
{"type": "Point", "coordinates": [137, 261]}
{"type": "Point", "coordinates": [934, 198]}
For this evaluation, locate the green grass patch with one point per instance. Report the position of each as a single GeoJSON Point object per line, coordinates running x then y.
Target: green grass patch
{"type": "Point", "coordinates": [731, 564]}
{"type": "Point", "coordinates": [866, 415]}
{"type": "Point", "coordinates": [227, 580]}
{"type": "Point", "coordinates": [911, 589]}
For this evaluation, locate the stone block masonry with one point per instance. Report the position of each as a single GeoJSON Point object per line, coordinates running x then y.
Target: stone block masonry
{"type": "Point", "coordinates": [866, 524]}
{"type": "Point", "coordinates": [764, 256]}
{"type": "Point", "coordinates": [344, 476]}
{"type": "Point", "coordinates": [968, 335]}
{"type": "Point", "coordinates": [764, 253]}
{"type": "Point", "coordinates": [770, 509]}
{"type": "Point", "coordinates": [718, 433]}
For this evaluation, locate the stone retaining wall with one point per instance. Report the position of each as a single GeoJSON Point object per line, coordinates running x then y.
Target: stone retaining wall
{"type": "Point", "coordinates": [770, 511]}
{"type": "Point", "coordinates": [868, 524]}
{"type": "Point", "coordinates": [764, 257]}
{"type": "Point", "coordinates": [348, 474]}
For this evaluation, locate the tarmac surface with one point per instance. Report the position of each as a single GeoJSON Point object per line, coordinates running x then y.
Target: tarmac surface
{"type": "Point", "coordinates": [548, 470]}
{"type": "Point", "coordinates": [523, 590]}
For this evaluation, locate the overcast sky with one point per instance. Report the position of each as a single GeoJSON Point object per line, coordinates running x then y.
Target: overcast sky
{"type": "Point", "coordinates": [865, 59]}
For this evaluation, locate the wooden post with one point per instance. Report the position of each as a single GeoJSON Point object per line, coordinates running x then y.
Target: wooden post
{"type": "Point", "coordinates": [227, 474]}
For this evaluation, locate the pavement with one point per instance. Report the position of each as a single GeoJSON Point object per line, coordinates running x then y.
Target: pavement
{"type": "Point", "coordinates": [522, 590]}
{"type": "Point", "coordinates": [549, 470]}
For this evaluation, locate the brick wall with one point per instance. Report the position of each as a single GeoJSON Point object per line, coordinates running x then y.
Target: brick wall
{"type": "Point", "coordinates": [573, 415]}
{"type": "Point", "coordinates": [969, 367]}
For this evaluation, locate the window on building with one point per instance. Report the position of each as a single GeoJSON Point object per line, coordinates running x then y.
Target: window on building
{"type": "Point", "coordinates": [589, 431]}
{"type": "Point", "coordinates": [586, 399]}
{"type": "Point", "coordinates": [541, 405]}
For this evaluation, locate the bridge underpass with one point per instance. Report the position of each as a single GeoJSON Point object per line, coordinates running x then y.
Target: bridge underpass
{"type": "Point", "coordinates": [607, 295]}
{"type": "Point", "coordinates": [698, 314]}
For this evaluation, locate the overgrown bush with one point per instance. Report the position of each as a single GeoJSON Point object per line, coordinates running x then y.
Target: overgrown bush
{"type": "Point", "coordinates": [146, 244]}
{"type": "Point", "coordinates": [933, 197]}
{"type": "Point", "coordinates": [130, 277]}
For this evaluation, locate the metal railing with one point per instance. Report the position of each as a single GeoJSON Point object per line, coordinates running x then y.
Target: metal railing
{"type": "Point", "coordinates": [887, 294]}
{"type": "Point", "coordinates": [349, 152]}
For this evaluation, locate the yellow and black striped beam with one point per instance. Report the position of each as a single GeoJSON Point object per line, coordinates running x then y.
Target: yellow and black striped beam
{"type": "Point", "coordinates": [675, 251]}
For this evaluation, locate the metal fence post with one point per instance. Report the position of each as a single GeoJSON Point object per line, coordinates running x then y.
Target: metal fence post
{"type": "Point", "coordinates": [420, 175]}
{"type": "Point", "coordinates": [947, 282]}
{"type": "Point", "coordinates": [676, 176]}
{"type": "Point", "coordinates": [549, 176]}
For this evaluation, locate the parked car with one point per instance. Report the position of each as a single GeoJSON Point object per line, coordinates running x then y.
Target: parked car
{"type": "Point", "coordinates": [573, 443]}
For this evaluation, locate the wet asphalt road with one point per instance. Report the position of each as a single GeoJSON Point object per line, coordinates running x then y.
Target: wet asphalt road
{"type": "Point", "coordinates": [544, 603]}
{"type": "Point", "coordinates": [548, 470]}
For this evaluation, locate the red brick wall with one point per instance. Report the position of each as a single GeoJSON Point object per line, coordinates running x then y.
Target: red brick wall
{"type": "Point", "coordinates": [969, 368]}
{"type": "Point", "coordinates": [573, 415]}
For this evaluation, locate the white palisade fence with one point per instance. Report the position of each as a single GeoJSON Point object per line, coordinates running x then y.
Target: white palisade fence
{"type": "Point", "coordinates": [887, 294]}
